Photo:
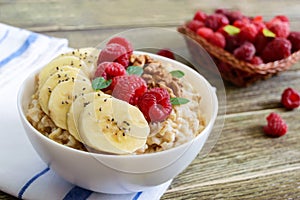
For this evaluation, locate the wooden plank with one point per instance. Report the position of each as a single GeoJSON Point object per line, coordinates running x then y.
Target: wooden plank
{"type": "Point", "coordinates": [67, 15]}
{"type": "Point", "coordinates": [277, 186]}
{"type": "Point", "coordinates": [243, 151]}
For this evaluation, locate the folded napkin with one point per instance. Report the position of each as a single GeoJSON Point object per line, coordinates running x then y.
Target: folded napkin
{"type": "Point", "coordinates": [23, 174]}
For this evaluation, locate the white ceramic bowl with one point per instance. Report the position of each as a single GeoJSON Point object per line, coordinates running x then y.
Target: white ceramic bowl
{"type": "Point", "coordinates": [127, 173]}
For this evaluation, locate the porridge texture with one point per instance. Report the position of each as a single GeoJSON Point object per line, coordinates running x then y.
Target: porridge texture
{"type": "Point", "coordinates": [182, 125]}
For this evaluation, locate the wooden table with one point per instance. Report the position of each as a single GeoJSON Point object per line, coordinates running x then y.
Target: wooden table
{"type": "Point", "coordinates": [244, 164]}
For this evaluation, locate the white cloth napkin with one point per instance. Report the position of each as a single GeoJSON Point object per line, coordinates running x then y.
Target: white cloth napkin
{"type": "Point", "coordinates": [23, 174]}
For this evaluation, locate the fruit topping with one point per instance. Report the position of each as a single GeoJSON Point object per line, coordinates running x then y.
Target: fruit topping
{"type": "Point", "coordinates": [114, 53]}
{"type": "Point", "coordinates": [123, 42]}
{"type": "Point", "coordinates": [290, 98]}
{"type": "Point", "coordinates": [128, 88]}
{"type": "Point", "coordinates": [155, 104]}
{"type": "Point", "coordinates": [276, 126]}
{"type": "Point", "coordinates": [108, 70]}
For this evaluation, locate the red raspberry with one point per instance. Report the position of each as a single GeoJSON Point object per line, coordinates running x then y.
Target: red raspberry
{"type": "Point", "coordinates": [241, 22]}
{"type": "Point", "coordinates": [276, 126]}
{"type": "Point", "coordinates": [231, 15]}
{"type": "Point", "coordinates": [128, 88]}
{"type": "Point", "coordinates": [155, 104]}
{"type": "Point", "coordinates": [114, 52]}
{"type": "Point", "coordinates": [281, 29]}
{"type": "Point", "coordinates": [194, 25]}
{"type": "Point", "coordinates": [108, 70]}
{"type": "Point", "coordinates": [248, 33]}
{"type": "Point", "coordinates": [294, 37]}
{"type": "Point", "coordinates": [278, 18]}
{"type": "Point", "coordinates": [123, 42]}
{"type": "Point", "coordinates": [200, 16]}
{"type": "Point", "coordinates": [166, 53]}
{"type": "Point", "coordinates": [261, 42]}
{"type": "Point", "coordinates": [278, 49]}
{"type": "Point", "coordinates": [245, 52]}
{"type": "Point", "coordinates": [205, 32]}
{"type": "Point", "coordinates": [256, 60]}
{"type": "Point", "coordinates": [217, 39]}
{"type": "Point", "coordinates": [232, 42]}
{"type": "Point", "coordinates": [290, 98]}
{"type": "Point", "coordinates": [215, 21]}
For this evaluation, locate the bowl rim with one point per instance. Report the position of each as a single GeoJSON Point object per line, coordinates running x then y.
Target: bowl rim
{"type": "Point", "coordinates": [125, 156]}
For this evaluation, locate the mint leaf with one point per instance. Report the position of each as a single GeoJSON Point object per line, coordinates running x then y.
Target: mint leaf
{"type": "Point", "coordinates": [177, 73]}
{"type": "Point", "coordinates": [268, 33]}
{"type": "Point", "coordinates": [231, 30]}
{"type": "Point", "coordinates": [136, 70]}
{"type": "Point", "coordinates": [179, 101]}
{"type": "Point", "coordinates": [100, 83]}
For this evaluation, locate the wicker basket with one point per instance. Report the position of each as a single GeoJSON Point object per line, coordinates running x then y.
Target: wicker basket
{"type": "Point", "coordinates": [236, 71]}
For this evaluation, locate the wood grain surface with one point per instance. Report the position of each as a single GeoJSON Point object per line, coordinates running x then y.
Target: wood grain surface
{"type": "Point", "coordinates": [244, 164]}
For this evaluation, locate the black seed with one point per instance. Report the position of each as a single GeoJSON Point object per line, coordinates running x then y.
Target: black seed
{"type": "Point", "coordinates": [83, 88]}
{"type": "Point", "coordinates": [80, 65]}
{"type": "Point", "coordinates": [112, 119]}
{"type": "Point", "coordinates": [100, 109]}
{"type": "Point", "coordinates": [98, 94]}
{"type": "Point", "coordinates": [73, 52]}
{"type": "Point", "coordinates": [66, 75]}
{"type": "Point", "coordinates": [107, 127]}
{"type": "Point", "coordinates": [57, 68]}
{"type": "Point", "coordinates": [75, 96]}
{"type": "Point", "coordinates": [85, 104]}
{"type": "Point", "coordinates": [58, 75]}
{"type": "Point", "coordinates": [62, 102]}
{"type": "Point", "coordinates": [123, 134]}
{"type": "Point", "coordinates": [105, 100]}
{"type": "Point", "coordinates": [66, 102]}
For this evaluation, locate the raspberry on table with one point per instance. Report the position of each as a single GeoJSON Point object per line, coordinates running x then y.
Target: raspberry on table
{"type": "Point", "coordinates": [128, 88]}
{"type": "Point", "coordinates": [123, 42]}
{"type": "Point", "coordinates": [277, 49]}
{"type": "Point", "coordinates": [194, 25]}
{"type": "Point", "coordinates": [114, 53]}
{"type": "Point", "coordinates": [200, 16]}
{"type": "Point", "coordinates": [217, 39]}
{"type": "Point", "coordinates": [166, 53]}
{"type": "Point", "coordinates": [245, 52]}
{"type": "Point", "coordinates": [290, 98]}
{"type": "Point", "coordinates": [294, 38]}
{"type": "Point", "coordinates": [155, 104]}
{"type": "Point", "coordinates": [215, 21]}
{"type": "Point", "coordinates": [276, 126]}
{"type": "Point", "coordinates": [108, 70]}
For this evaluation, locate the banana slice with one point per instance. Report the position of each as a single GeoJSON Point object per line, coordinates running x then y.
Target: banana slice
{"type": "Point", "coordinates": [76, 108]}
{"type": "Point", "coordinates": [89, 55]}
{"type": "Point", "coordinates": [67, 73]}
{"type": "Point", "coordinates": [56, 64]}
{"type": "Point", "coordinates": [62, 97]}
{"type": "Point", "coordinates": [112, 125]}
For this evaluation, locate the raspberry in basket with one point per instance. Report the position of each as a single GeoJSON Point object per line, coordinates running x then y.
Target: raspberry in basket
{"type": "Point", "coordinates": [215, 21]}
{"type": "Point", "coordinates": [245, 52]}
{"type": "Point", "coordinates": [277, 49]}
{"type": "Point", "coordinates": [276, 126]}
{"type": "Point", "coordinates": [294, 37]}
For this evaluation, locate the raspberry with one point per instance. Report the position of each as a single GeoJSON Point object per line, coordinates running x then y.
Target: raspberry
{"type": "Point", "coordinates": [281, 29]}
{"type": "Point", "coordinates": [200, 16]}
{"type": "Point", "coordinates": [290, 98]}
{"type": "Point", "coordinates": [294, 37]}
{"type": "Point", "coordinates": [248, 33]}
{"type": "Point", "coordinates": [128, 88]}
{"type": "Point", "coordinates": [256, 60]}
{"type": "Point", "coordinates": [232, 42]}
{"type": "Point", "coordinates": [231, 15]}
{"type": "Point", "coordinates": [108, 70]}
{"type": "Point", "coordinates": [277, 49]}
{"type": "Point", "coordinates": [155, 104]}
{"type": "Point", "coordinates": [245, 52]}
{"type": "Point", "coordinates": [123, 42]}
{"type": "Point", "coordinates": [261, 42]}
{"type": "Point", "coordinates": [194, 25]}
{"type": "Point", "coordinates": [205, 32]}
{"type": "Point", "coordinates": [276, 126]}
{"type": "Point", "coordinates": [215, 21]}
{"type": "Point", "coordinates": [241, 22]}
{"type": "Point", "coordinates": [217, 39]}
{"type": "Point", "coordinates": [278, 18]}
{"type": "Point", "coordinates": [166, 53]}
{"type": "Point", "coordinates": [114, 52]}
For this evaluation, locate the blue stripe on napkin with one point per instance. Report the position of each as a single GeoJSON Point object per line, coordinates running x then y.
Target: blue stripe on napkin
{"type": "Point", "coordinates": [4, 36]}
{"type": "Point", "coordinates": [23, 189]}
{"type": "Point", "coordinates": [31, 39]}
{"type": "Point", "coordinates": [78, 193]}
{"type": "Point", "coordinates": [136, 197]}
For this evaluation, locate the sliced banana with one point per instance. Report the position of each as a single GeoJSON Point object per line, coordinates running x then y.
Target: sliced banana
{"type": "Point", "coordinates": [76, 108]}
{"type": "Point", "coordinates": [112, 125]}
{"type": "Point", "coordinates": [62, 97]}
{"type": "Point", "coordinates": [67, 73]}
{"type": "Point", "coordinates": [56, 64]}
